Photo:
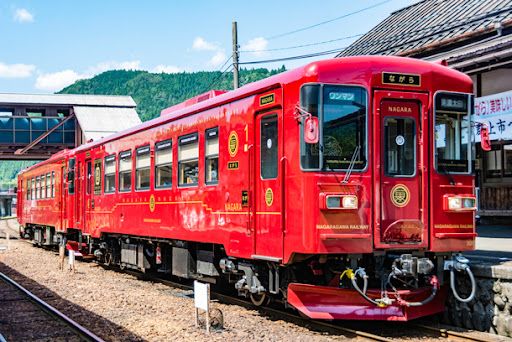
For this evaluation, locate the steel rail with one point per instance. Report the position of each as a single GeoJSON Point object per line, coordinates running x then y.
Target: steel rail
{"type": "Point", "coordinates": [320, 325]}
{"type": "Point", "coordinates": [450, 334]}
{"type": "Point", "coordinates": [227, 299]}
{"type": "Point", "coordinates": [80, 330]}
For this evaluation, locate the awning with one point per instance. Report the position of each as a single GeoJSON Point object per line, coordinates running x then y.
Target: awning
{"type": "Point", "coordinates": [99, 122]}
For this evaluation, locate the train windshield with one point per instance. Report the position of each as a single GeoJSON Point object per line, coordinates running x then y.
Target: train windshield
{"type": "Point", "coordinates": [342, 111]}
{"type": "Point", "coordinates": [453, 147]}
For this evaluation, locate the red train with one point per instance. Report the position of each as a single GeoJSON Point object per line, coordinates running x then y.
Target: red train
{"type": "Point", "coordinates": [344, 187]}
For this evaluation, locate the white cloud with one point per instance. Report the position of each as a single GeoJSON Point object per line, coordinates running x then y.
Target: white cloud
{"type": "Point", "coordinates": [217, 59]}
{"type": "Point", "coordinates": [255, 46]}
{"type": "Point", "coordinates": [168, 69]}
{"type": "Point", "coordinates": [58, 80]}
{"type": "Point", "coordinates": [22, 15]}
{"type": "Point", "coordinates": [16, 70]}
{"type": "Point", "coordinates": [200, 44]}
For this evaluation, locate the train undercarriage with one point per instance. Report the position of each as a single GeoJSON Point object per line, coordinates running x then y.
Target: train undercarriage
{"type": "Point", "coordinates": [391, 285]}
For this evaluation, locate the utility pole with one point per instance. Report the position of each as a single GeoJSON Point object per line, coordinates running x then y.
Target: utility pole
{"type": "Point", "coordinates": [236, 82]}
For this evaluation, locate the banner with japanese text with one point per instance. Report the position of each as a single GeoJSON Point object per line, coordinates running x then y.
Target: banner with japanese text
{"type": "Point", "coordinates": [494, 111]}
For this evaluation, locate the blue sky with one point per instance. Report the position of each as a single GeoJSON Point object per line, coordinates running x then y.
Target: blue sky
{"type": "Point", "coordinates": [47, 45]}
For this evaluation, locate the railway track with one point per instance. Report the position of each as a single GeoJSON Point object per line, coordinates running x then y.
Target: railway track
{"type": "Point", "coordinates": [25, 317]}
{"type": "Point", "coordinates": [330, 327]}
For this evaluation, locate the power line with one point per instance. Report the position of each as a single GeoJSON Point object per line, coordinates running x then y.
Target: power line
{"type": "Point", "coordinates": [315, 54]}
{"type": "Point", "coordinates": [218, 78]}
{"type": "Point", "coordinates": [305, 45]}
{"type": "Point", "coordinates": [328, 21]}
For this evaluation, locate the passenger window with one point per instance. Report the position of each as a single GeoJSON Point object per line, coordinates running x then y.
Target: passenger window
{"type": "Point", "coordinates": [399, 147]}
{"type": "Point", "coordinates": [38, 187]}
{"type": "Point", "coordinates": [142, 166]}
{"type": "Point", "coordinates": [71, 176]}
{"type": "Point", "coordinates": [163, 164]}
{"type": "Point", "coordinates": [125, 171]}
{"type": "Point", "coordinates": [212, 156]}
{"type": "Point", "coordinates": [188, 160]}
{"type": "Point", "coordinates": [53, 184]}
{"type": "Point", "coordinates": [48, 185]}
{"type": "Point", "coordinates": [97, 177]}
{"type": "Point", "coordinates": [27, 189]}
{"type": "Point", "coordinates": [268, 147]}
{"type": "Point", "coordinates": [33, 192]}
{"type": "Point", "coordinates": [110, 174]}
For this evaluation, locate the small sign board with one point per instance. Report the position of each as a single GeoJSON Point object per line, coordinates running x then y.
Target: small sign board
{"type": "Point", "coordinates": [202, 301]}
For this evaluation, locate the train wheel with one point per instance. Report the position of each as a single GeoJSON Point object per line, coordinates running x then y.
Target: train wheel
{"type": "Point", "coordinates": [259, 299]}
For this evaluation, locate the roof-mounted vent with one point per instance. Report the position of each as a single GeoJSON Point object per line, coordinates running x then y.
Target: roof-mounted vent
{"type": "Point", "coordinates": [192, 101]}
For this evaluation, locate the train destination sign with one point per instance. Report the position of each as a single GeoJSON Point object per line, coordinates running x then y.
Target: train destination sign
{"type": "Point", "coordinates": [401, 79]}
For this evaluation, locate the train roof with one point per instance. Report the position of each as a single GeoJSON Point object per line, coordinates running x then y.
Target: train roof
{"type": "Point", "coordinates": [311, 71]}
{"type": "Point", "coordinates": [55, 157]}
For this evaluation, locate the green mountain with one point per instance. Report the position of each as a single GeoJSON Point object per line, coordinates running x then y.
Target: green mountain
{"type": "Point", "coordinates": [152, 93]}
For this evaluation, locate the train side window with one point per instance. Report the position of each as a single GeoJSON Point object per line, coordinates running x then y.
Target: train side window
{"type": "Point", "coordinates": [71, 176]}
{"type": "Point", "coordinates": [48, 185]}
{"type": "Point", "coordinates": [110, 174]}
{"type": "Point", "coordinates": [27, 189]}
{"type": "Point", "coordinates": [268, 141]}
{"type": "Point", "coordinates": [125, 171]}
{"type": "Point", "coordinates": [212, 156]}
{"type": "Point", "coordinates": [163, 164]}
{"type": "Point", "coordinates": [53, 184]}
{"type": "Point", "coordinates": [38, 187]}
{"type": "Point", "coordinates": [142, 168]}
{"type": "Point", "coordinates": [33, 192]}
{"type": "Point", "coordinates": [188, 160]}
{"type": "Point", "coordinates": [97, 177]}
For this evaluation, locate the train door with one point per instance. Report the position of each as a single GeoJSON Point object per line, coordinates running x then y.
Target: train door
{"type": "Point", "coordinates": [268, 188]}
{"type": "Point", "coordinates": [78, 194]}
{"type": "Point", "coordinates": [402, 197]}
{"type": "Point", "coordinates": [87, 200]}
{"type": "Point", "coordinates": [62, 198]}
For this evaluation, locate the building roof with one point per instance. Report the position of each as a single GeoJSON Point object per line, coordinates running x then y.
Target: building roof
{"type": "Point", "coordinates": [99, 122]}
{"type": "Point", "coordinates": [434, 25]}
{"type": "Point", "coordinates": [67, 99]}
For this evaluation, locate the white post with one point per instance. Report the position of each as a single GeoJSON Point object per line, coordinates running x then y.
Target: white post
{"type": "Point", "coordinates": [202, 301]}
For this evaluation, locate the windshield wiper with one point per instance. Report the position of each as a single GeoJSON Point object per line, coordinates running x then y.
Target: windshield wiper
{"type": "Point", "coordinates": [355, 156]}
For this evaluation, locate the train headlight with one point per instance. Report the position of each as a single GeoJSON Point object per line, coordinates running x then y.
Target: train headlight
{"type": "Point", "coordinates": [349, 202]}
{"type": "Point", "coordinates": [459, 203]}
{"type": "Point", "coordinates": [340, 202]}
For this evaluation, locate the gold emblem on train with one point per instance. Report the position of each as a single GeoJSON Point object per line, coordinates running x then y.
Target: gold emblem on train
{"type": "Point", "coordinates": [233, 143]}
{"type": "Point", "coordinates": [269, 197]}
{"type": "Point", "coordinates": [400, 195]}
{"type": "Point", "coordinates": [152, 203]}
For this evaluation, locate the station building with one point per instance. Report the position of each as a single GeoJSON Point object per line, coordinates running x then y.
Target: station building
{"type": "Point", "coordinates": [33, 127]}
{"type": "Point", "coordinates": [475, 37]}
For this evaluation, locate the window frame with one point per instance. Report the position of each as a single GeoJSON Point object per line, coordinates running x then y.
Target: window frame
{"type": "Point", "coordinates": [321, 128]}
{"type": "Point", "coordinates": [112, 158]}
{"type": "Point", "coordinates": [48, 185]}
{"type": "Point", "coordinates": [385, 147]}
{"type": "Point", "coordinates": [269, 116]}
{"type": "Point", "coordinates": [53, 184]}
{"type": "Point", "coordinates": [470, 133]}
{"type": "Point", "coordinates": [156, 166]}
{"type": "Point", "coordinates": [136, 169]}
{"type": "Point", "coordinates": [211, 156]}
{"type": "Point", "coordinates": [183, 137]}
{"type": "Point", "coordinates": [123, 155]}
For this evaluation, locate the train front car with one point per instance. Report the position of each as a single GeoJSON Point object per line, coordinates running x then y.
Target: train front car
{"type": "Point", "coordinates": [382, 198]}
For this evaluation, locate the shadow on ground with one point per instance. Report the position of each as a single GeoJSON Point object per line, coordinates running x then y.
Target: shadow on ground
{"type": "Point", "coordinates": [100, 326]}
